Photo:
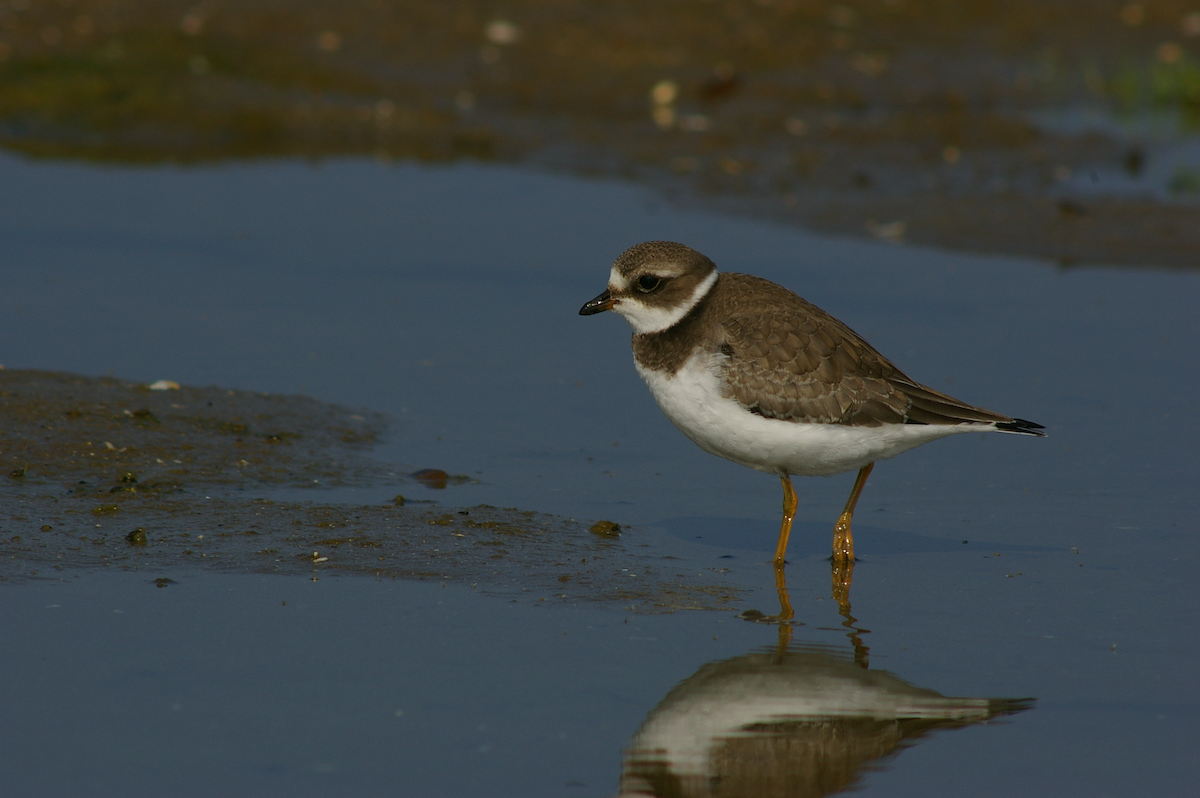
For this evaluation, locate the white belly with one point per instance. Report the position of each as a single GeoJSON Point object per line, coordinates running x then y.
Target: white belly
{"type": "Point", "coordinates": [692, 400]}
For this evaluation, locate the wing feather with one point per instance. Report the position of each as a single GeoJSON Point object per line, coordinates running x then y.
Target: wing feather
{"type": "Point", "coordinates": [787, 359]}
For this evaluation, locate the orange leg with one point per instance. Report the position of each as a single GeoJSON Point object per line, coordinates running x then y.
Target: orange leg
{"type": "Point", "coordinates": [789, 512]}
{"type": "Point", "coordinates": [843, 540]}
{"type": "Point", "coordinates": [785, 603]}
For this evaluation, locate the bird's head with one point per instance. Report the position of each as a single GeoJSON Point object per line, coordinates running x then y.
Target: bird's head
{"type": "Point", "coordinates": [654, 285]}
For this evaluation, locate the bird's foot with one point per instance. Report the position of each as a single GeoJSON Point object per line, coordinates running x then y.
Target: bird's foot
{"type": "Point", "coordinates": [843, 574]}
{"type": "Point", "coordinates": [786, 613]}
{"type": "Point", "coordinates": [843, 540]}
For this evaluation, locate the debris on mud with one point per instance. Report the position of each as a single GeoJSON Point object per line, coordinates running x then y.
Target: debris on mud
{"type": "Point", "coordinates": [113, 476]}
{"type": "Point", "coordinates": [103, 436]}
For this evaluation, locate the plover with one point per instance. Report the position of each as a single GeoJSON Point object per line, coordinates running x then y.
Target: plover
{"type": "Point", "coordinates": [753, 373]}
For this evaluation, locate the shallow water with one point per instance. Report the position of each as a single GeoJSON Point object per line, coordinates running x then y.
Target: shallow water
{"type": "Point", "coordinates": [447, 298]}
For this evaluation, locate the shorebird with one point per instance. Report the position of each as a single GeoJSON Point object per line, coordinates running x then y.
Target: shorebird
{"type": "Point", "coordinates": [753, 373]}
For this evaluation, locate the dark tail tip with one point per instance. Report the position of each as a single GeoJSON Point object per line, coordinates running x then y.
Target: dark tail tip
{"type": "Point", "coordinates": [999, 707]}
{"type": "Point", "coordinates": [1021, 426]}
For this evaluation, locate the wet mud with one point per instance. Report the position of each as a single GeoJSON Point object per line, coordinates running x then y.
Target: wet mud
{"type": "Point", "coordinates": [123, 440]}
{"type": "Point", "coordinates": [104, 473]}
{"type": "Point", "coordinates": [937, 123]}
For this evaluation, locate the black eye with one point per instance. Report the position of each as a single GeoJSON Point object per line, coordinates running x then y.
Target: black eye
{"type": "Point", "coordinates": [648, 282]}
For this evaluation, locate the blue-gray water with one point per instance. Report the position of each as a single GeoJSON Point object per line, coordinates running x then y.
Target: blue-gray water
{"type": "Point", "coordinates": [448, 298]}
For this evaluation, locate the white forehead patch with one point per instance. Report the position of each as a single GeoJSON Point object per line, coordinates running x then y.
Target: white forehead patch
{"type": "Point", "coordinates": [617, 282]}
{"type": "Point", "coordinates": [648, 319]}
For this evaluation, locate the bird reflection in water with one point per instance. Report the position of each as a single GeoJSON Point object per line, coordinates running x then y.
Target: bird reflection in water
{"type": "Point", "coordinates": [795, 720]}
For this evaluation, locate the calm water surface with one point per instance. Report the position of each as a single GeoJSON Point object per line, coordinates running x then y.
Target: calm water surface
{"type": "Point", "coordinates": [447, 298]}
